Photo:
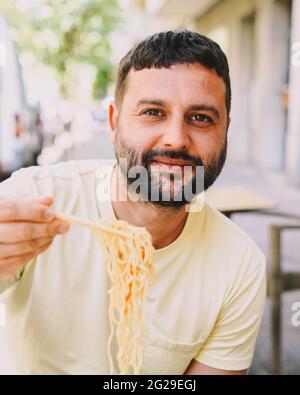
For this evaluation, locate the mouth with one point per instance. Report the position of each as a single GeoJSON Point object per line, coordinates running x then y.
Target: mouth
{"type": "Point", "coordinates": [171, 162]}
{"type": "Point", "coordinates": [168, 164]}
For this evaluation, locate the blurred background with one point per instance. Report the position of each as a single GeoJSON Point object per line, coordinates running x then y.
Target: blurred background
{"type": "Point", "coordinates": [57, 65]}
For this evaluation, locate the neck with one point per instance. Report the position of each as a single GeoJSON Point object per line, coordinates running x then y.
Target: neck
{"type": "Point", "coordinates": [163, 223]}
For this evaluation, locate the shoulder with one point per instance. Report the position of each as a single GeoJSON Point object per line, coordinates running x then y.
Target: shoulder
{"type": "Point", "coordinates": [66, 170]}
{"type": "Point", "coordinates": [28, 179]}
{"type": "Point", "coordinates": [67, 182]}
{"type": "Point", "coordinates": [236, 249]}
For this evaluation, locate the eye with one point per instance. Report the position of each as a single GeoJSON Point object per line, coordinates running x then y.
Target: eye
{"type": "Point", "coordinates": [201, 118]}
{"type": "Point", "coordinates": [153, 112]}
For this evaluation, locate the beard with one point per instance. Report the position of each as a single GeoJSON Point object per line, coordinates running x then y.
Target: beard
{"type": "Point", "coordinates": [163, 188]}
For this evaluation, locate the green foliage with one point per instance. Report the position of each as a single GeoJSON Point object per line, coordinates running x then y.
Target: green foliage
{"type": "Point", "coordinates": [61, 33]}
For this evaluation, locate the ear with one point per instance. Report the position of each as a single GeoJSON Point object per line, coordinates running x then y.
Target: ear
{"type": "Point", "coordinates": [228, 122]}
{"type": "Point", "coordinates": [113, 119]}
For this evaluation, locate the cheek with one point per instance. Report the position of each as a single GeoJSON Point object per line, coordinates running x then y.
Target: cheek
{"type": "Point", "coordinates": [138, 134]}
{"type": "Point", "coordinates": [207, 145]}
{"type": "Point", "coordinates": [204, 142]}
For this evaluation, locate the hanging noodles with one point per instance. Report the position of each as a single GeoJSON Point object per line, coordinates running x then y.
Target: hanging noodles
{"type": "Point", "coordinates": [130, 270]}
{"type": "Point", "coordinates": [129, 253]}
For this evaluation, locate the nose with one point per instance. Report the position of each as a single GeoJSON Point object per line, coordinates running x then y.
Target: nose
{"type": "Point", "coordinates": [174, 135]}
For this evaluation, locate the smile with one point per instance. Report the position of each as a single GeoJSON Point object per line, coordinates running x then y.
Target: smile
{"type": "Point", "coordinates": [167, 164]}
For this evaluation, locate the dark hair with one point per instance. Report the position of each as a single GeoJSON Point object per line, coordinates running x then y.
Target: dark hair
{"type": "Point", "coordinates": [174, 47]}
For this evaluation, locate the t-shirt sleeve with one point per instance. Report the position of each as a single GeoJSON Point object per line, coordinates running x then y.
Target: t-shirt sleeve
{"type": "Point", "coordinates": [231, 343]}
{"type": "Point", "coordinates": [17, 185]}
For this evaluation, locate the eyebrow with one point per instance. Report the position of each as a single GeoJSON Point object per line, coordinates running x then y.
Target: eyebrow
{"type": "Point", "coordinates": [206, 107]}
{"type": "Point", "coordinates": [155, 102]}
{"type": "Point", "coordinates": [193, 107]}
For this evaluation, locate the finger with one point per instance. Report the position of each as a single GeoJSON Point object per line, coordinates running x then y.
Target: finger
{"type": "Point", "coordinates": [24, 210]}
{"type": "Point", "coordinates": [10, 265]}
{"type": "Point", "coordinates": [48, 200]}
{"type": "Point", "coordinates": [17, 232]}
{"type": "Point", "coordinates": [11, 250]}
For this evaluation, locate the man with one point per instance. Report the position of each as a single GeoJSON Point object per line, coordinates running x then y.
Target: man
{"type": "Point", "coordinates": [171, 112]}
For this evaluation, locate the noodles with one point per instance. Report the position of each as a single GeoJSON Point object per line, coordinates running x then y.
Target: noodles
{"type": "Point", "coordinates": [129, 252]}
{"type": "Point", "coordinates": [130, 271]}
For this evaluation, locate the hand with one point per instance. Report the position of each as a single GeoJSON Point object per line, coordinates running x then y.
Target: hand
{"type": "Point", "coordinates": [27, 228]}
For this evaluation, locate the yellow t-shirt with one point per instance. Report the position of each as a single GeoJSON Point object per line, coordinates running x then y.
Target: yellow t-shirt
{"type": "Point", "coordinates": [207, 302]}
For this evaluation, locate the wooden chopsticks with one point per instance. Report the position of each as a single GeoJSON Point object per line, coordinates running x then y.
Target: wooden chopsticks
{"type": "Point", "coordinates": [71, 219]}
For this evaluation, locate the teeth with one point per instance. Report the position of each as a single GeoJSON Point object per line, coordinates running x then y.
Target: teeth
{"type": "Point", "coordinates": [167, 167]}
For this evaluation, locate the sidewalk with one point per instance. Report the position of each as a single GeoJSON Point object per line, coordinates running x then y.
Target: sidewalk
{"type": "Point", "coordinates": [257, 226]}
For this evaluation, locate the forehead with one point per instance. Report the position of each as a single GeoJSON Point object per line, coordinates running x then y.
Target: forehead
{"type": "Point", "coordinates": [185, 84]}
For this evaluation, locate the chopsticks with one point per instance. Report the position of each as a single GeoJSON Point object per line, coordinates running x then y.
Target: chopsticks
{"type": "Point", "coordinates": [71, 219]}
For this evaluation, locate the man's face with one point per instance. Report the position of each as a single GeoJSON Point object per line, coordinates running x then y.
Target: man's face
{"type": "Point", "coordinates": [171, 120]}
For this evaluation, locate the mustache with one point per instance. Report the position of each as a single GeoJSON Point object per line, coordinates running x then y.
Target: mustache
{"type": "Point", "coordinates": [159, 153]}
